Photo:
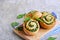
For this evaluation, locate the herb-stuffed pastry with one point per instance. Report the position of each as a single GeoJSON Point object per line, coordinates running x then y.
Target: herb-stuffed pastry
{"type": "Point", "coordinates": [31, 27]}
{"type": "Point", "coordinates": [34, 14]}
{"type": "Point", "coordinates": [48, 20]}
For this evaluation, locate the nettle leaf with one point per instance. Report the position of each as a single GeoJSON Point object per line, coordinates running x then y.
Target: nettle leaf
{"type": "Point", "coordinates": [13, 24]}
{"type": "Point", "coordinates": [51, 38]}
{"type": "Point", "coordinates": [27, 19]}
{"type": "Point", "coordinates": [20, 16]}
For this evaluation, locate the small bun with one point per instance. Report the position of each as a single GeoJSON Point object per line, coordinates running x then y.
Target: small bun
{"type": "Point", "coordinates": [48, 20]}
{"type": "Point", "coordinates": [31, 30]}
{"type": "Point", "coordinates": [45, 26]}
{"type": "Point", "coordinates": [34, 14]}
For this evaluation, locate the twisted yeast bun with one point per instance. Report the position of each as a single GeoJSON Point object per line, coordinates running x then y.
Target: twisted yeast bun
{"type": "Point", "coordinates": [31, 27]}
{"type": "Point", "coordinates": [48, 20]}
{"type": "Point", "coordinates": [34, 14]}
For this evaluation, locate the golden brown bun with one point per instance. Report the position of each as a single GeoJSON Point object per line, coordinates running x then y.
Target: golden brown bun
{"type": "Point", "coordinates": [44, 25]}
{"type": "Point", "coordinates": [25, 25]}
{"type": "Point", "coordinates": [29, 32]}
{"type": "Point", "coordinates": [34, 15]}
{"type": "Point", "coordinates": [47, 18]}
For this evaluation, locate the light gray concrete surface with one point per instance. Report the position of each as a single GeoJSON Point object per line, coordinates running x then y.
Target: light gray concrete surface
{"type": "Point", "coordinates": [9, 9]}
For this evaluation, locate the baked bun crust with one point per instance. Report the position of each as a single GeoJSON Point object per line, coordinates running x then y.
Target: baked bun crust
{"type": "Point", "coordinates": [34, 14]}
{"type": "Point", "coordinates": [48, 20]}
{"type": "Point", "coordinates": [43, 25]}
{"type": "Point", "coordinates": [28, 31]}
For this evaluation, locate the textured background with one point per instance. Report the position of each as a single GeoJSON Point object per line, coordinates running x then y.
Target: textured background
{"type": "Point", "coordinates": [9, 9]}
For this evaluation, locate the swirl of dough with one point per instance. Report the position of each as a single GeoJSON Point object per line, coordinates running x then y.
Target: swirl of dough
{"type": "Point", "coordinates": [48, 20]}
{"type": "Point", "coordinates": [31, 27]}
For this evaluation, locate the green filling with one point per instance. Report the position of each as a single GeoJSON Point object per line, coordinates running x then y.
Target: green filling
{"type": "Point", "coordinates": [33, 30]}
{"type": "Point", "coordinates": [30, 24]}
{"type": "Point", "coordinates": [38, 19]}
{"type": "Point", "coordinates": [47, 21]}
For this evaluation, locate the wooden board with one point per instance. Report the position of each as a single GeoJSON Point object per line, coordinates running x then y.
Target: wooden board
{"type": "Point", "coordinates": [40, 34]}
